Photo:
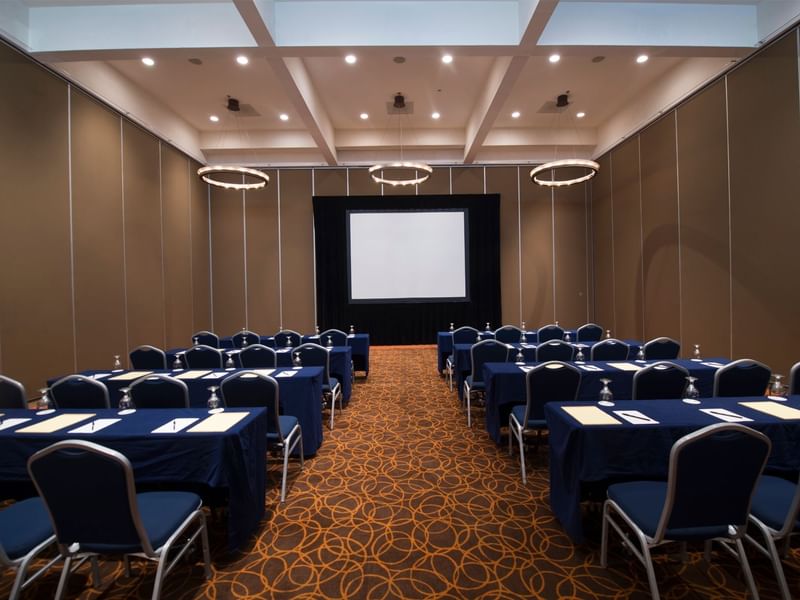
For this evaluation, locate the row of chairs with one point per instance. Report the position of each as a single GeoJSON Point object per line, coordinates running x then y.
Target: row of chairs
{"type": "Point", "coordinates": [510, 334]}
{"type": "Point", "coordinates": [283, 338]}
{"type": "Point", "coordinates": [254, 356]}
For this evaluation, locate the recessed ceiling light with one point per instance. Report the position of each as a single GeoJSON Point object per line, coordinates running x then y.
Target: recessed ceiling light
{"type": "Point", "coordinates": [284, 117]}
{"type": "Point", "coordinates": [447, 59]}
{"type": "Point", "coordinates": [554, 58]}
{"type": "Point", "coordinates": [242, 59]}
{"type": "Point", "coordinates": [350, 59]}
{"type": "Point", "coordinates": [515, 114]}
{"type": "Point", "coordinates": [364, 116]}
{"type": "Point", "coordinates": [580, 115]}
{"type": "Point", "coordinates": [642, 58]}
{"type": "Point", "coordinates": [435, 115]}
{"type": "Point", "coordinates": [148, 61]}
{"type": "Point", "coordinates": [213, 118]}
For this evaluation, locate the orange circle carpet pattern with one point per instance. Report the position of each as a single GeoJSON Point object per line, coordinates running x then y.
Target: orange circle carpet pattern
{"type": "Point", "coordinates": [403, 501]}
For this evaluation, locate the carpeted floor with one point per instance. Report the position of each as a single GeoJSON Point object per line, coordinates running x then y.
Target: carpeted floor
{"type": "Point", "coordinates": [403, 501]}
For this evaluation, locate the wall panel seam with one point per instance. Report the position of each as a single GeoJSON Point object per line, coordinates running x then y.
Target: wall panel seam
{"type": "Point", "coordinates": [71, 231]}
{"type": "Point", "coordinates": [553, 247]}
{"type": "Point", "coordinates": [210, 257]}
{"type": "Point", "coordinates": [244, 257]}
{"type": "Point", "coordinates": [519, 242]}
{"type": "Point", "coordinates": [680, 247]}
{"type": "Point", "coordinates": [730, 224]}
{"type": "Point", "coordinates": [613, 256]}
{"type": "Point", "coordinates": [280, 253]}
{"type": "Point", "coordinates": [191, 242]}
{"type": "Point", "coordinates": [314, 244]}
{"type": "Point", "coordinates": [163, 265]}
{"type": "Point", "coordinates": [641, 231]}
{"type": "Point", "coordinates": [124, 232]}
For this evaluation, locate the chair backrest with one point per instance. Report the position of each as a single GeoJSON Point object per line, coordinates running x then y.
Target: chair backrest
{"type": "Point", "coordinates": [550, 381]}
{"type": "Point", "coordinates": [246, 389]}
{"type": "Point", "coordinates": [486, 351]}
{"type": "Point", "coordinates": [239, 338]}
{"type": "Point", "coordinates": [258, 356]}
{"type": "Point", "coordinates": [549, 332]}
{"type": "Point", "coordinates": [591, 332]}
{"type": "Point", "coordinates": [203, 357]}
{"type": "Point", "coordinates": [79, 391]}
{"type": "Point", "coordinates": [554, 350]}
{"type": "Point", "coordinates": [287, 334]}
{"type": "Point", "coordinates": [661, 348]}
{"type": "Point", "coordinates": [12, 393]}
{"type": "Point", "coordinates": [314, 355]}
{"type": "Point", "coordinates": [610, 349]}
{"type": "Point", "coordinates": [710, 482]}
{"type": "Point", "coordinates": [659, 381]}
{"type": "Point", "coordinates": [159, 391]}
{"type": "Point", "coordinates": [508, 334]}
{"type": "Point", "coordinates": [148, 357]}
{"type": "Point", "coordinates": [90, 494]}
{"type": "Point", "coordinates": [206, 338]}
{"type": "Point", "coordinates": [338, 337]}
{"type": "Point", "coordinates": [794, 379]}
{"type": "Point", "coordinates": [465, 335]}
{"type": "Point", "coordinates": [743, 377]}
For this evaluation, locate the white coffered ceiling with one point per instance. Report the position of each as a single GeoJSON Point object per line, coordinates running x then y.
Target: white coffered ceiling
{"type": "Point", "coordinates": [296, 51]}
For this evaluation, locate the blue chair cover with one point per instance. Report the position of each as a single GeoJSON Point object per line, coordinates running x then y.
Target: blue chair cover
{"type": "Point", "coordinates": [743, 377]}
{"type": "Point", "coordinates": [238, 339]}
{"type": "Point", "coordinates": [148, 357]}
{"type": "Point", "coordinates": [79, 391]}
{"type": "Point", "coordinates": [659, 381]}
{"type": "Point", "coordinates": [549, 332]}
{"type": "Point", "coordinates": [590, 332]}
{"type": "Point", "coordinates": [12, 393]}
{"type": "Point", "coordinates": [661, 348]}
{"type": "Point", "coordinates": [554, 350]}
{"type": "Point", "coordinates": [258, 356]}
{"type": "Point", "coordinates": [159, 391]}
{"type": "Point", "coordinates": [206, 338]}
{"type": "Point", "coordinates": [203, 357]}
{"type": "Point", "coordinates": [610, 349]}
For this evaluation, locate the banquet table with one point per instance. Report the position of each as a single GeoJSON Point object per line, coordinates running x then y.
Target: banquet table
{"type": "Point", "coordinates": [300, 394]}
{"type": "Point", "coordinates": [505, 384]}
{"type": "Point", "coordinates": [233, 460]}
{"type": "Point", "coordinates": [583, 454]}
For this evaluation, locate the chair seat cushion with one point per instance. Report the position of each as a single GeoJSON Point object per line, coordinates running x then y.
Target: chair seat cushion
{"type": "Point", "coordinates": [23, 526]}
{"type": "Point", "coordinates": [331, 386]}
{"type": "Point", "coordinates": [771, 501]}
{"type": "Point", "coordinates": [287, 423]}
{"type": "Point", "coordinates": [518, 411]}
{"type": "Point", "coordinates": [475, 386]}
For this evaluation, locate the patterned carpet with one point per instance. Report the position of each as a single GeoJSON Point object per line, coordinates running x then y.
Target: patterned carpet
{"type": "Point", "coordinates": [403, 501]}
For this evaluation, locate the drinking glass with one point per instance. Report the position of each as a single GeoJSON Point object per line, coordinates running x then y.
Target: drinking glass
{"type": "Point", "coordinates": [296, 360]}
{"type": "Point", "coordinates": [640, 354]}
{"type": "Point", "coordinates": [329, 344]}
{"type": "Point", "coordinates": [557, 325]}
{"type": "Point", "coordinates": [608, 334]}
{"type": "Point", "coordinates": [316, 330]}
{"type": "Point", "coordinates": [44, 402]}
{"type": "Point", "coordinates": [194, 340]}
{"type": "Point", "coordinates": [213, 399]}
{"type": "Point", "coordinates": [452, 329]}
{"type": "Point", "coordinates": [352, 330]}
{"type": "Point", "coordinates": [177, 365]}
{"type": "Point", "coordinates": [523, 339]}
{"type": "Point", "coordinates": [691, 395]}
{"type": "Point", "coordinates": [696, 352]}
{"type": "Point", "coordinates": [288, 341]}
{"type": "Point", "coordinates": [606, 397]}
{"type": "Point", "coordinates": [125, 402]}
{"type": "Point", "coordinates": [777, 389]}
{"type": "Point", "coordinates": [488, 328]}
{"type": "Point", "coordinates": [567, 337]}
{"type": "Point", "coordinates": [523, 327]}
{"type": "Point", "coordinates": [229, 364]}
{"type": "Point", "coordinates": [117, 363]}
{"type": "Point", "coordinates": [477, 338]}
{"type": "Point", "coordinates": [580, 357]}
{"type": "Point", "coordinates": [520, 358]}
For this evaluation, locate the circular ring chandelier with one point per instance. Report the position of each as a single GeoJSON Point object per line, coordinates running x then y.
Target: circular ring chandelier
{"type": "Point", "coordinates": [411, 167]}
{"type": "Point", "coordinates": [564, 164]}
{"type": "Point", "coordinates": [207, 175]}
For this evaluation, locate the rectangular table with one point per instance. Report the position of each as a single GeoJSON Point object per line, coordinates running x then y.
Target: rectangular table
{"type": "Point", "coordinates": [234, 460]}
{"type": "Point", "coordinates": [505, 385]}
{"type": "Point", "coordinates": [597, 453]}
{"type": "Point", "coordinates": [300, 396]}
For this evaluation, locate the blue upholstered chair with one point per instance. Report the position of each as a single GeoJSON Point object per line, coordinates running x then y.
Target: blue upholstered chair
{"type": "Point", "coordinates": [258, 356]}
{"type": "Point", "coordinates": [79, 391]}
{"type": "Point", "coordinates": [91, 497]}
{"type": "Point", "coordinates": [590, 332]}
{"type": "Point", "coordinates": [203, 357]}
{"type": "Point", "coordinates": [661, 348]}
{"type": "Point", "coordinates": [159, 391]}
{"type": "Point", "coordinates": [206, 338]}
{"type": "Point", "coordinates": [547, 382]}
{"type": "Point", "coordinates": [774, 513]}
{"type": "Point", "coordinates": [508, 334]}
{"type": "Point", "coordinates": [661, 380]}
{"type": "Point", "coordinates": [462, 335]}
{"type": "Point", "coordinates": [284, 335]}
{"type": "Point", "coordinates": [712, 473]}
{"type": "Point", "coordinates": [248, 389]}
{"type": "Point", "coordinates": [148, 357]}
{"type": "Point", "coordinates": [314, 355]}
{"type": "Point", "coordinates": [549, 332]}
{"type": "Point", "coordinates": [338, 338]}
{"type": "Point", "coordinates": [794, 379]}
{"type": "Point", "coordinates": [743, 377]}
{"type": "Point", "coordinates": [480, 353]}
{"type": "Point", "coordinates": [12, 393]}
{"type": "Point", "coordinates": [609, 349]}
{"type": "Point", "coordinates": [245, 338]}
{"type": "Point", "coordinates": [25, 532]}
{"type": "Point", "coordinates": [554, 350]}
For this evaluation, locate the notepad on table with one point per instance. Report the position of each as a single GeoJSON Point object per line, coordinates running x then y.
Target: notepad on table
{"type": "Point", "coordinates": [286, 374]}
{"type": "Point", "coordinates": [56, 423]}
{"type": "Point", "coordinates": [265, 372]}
{"type": "Point", "coordinates": [723, 414]}
{"type": "Point", "coordinates": [192, 374]}
{"type": "Point", "coordinates": [100, 375]}
{"type": "Point", "coordinates": [635, 417]}
{"type": "Point", "coordinates": [175, 425]}
{"type": "Point", "coordinates": [130, 375]}
{"type": "Point", "coordinates": [216, 375]}
{"type": "Point", "coordinates": [590, 367]}
{"type": "Point", "coordinates": [9, 423]}
{"type": "Point", "coordinates": [716, 365]}
{"type": "Point", "coordinates": [773, 408]}
{"type": "Point", "coordinates": [218, 423]}
{"type": "Point", "coordinates": [624, 366]}
{"type": "Point", "coordinates": [526, 368]}
{"type": "Point", "coordinates": [94, 426]}
{"type": "Point", "coordinates": [590, 415]}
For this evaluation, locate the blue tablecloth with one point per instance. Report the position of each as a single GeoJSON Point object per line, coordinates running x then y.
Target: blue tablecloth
{"type": "Point", "coordinates": [597, 453]}
{"type": "Point", "coordinates": [234, 460]}
{"type": "Point", "coordinates": [300, 397]}
{"type": "Point", "coordinates": [505, 386]}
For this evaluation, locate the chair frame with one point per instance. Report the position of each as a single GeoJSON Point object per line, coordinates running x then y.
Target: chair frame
{"type": "Point", "coordinates": [258, 348]}
{"type": "Point", "coordinates": [286, 444]}
{"type": "Point", "coordinates": [520, 430]}
{"type": "Point", "coordinates": [468, 390]}
{"type": "Point", "coordinates": [591, 327]}
{"type": "Point", "coordinates": [645, 542]}
{"type": "Point", "coordinates": [643, 372]}
{"type": "Point", "coordinates": [147, 348]}
{"type": "Point", "coordinates": [187, 353]}
{"type": "Point", "coordinates": [346, 343]}
{"type": "Point", "coordinates": [551, 343]}
{"type": "Point", "coordinates": [794, 379]}
{"type": "Point", "coordinates": [517, 337]}
{"type": "Point", "coordinates": [450, 363]}
{"type": "Point", "coordinates": [207, 333]}
{"type": "Point", "coordinates": [661, 340]}
{"type": "Point", "coordinates": [161, 377]}
{"type": "Point", "coordinates": [88, 380]}
{"type": "Point", "coordinates": [158, 555]}
{"type": "Point", "coordinates": [609, 342]}
{"type": "Point", "coordinates": [19, 389]}
{"type": "Point", "coordinates": [545, 328]}
{"type": "Point", "coordinates": [734, 365]}
{"type": "Point", "coordinates": [334, 392]}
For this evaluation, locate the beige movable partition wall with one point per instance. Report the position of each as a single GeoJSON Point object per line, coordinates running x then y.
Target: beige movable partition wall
{"type": "Point", "coordinates": [570, 251]}
{"type": "Point", "coordinates": [201, 259]}
{"type": "Point", "coordinates": [603, 246]}
{"type": "Point", "coordinates": [227, 260]}
{"type": "Point", "coordinates": [503, 181]}
{"type": "Point", "coordinates": [262, 251]}
{"type": "Point", "coordinates": [297, 250]}
{"type": "Point", "coordinates": [536, 218]}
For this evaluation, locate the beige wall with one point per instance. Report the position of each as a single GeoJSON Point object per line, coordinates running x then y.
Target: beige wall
{"type": "Point", "coordinates": [695, 218]}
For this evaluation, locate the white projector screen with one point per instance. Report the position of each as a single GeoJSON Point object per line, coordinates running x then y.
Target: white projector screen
{"type": "Point", "coordinates": [407, 256]}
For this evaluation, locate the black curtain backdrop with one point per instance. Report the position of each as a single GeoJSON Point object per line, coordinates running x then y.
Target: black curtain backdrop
{"type": "Point", "coordinates": [407, 322]}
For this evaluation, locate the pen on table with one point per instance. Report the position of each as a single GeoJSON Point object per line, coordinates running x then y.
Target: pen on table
{"type": "Point", "coordinates": [173, 424]}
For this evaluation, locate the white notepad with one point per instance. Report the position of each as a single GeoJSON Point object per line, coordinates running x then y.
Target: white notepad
{"type": "Point", "coordinates": [773, 408]}
{"type": "Point", "coordinates": [9, 423]}
{"type": "Point", "coordinates": [624, 366]}
{"type": "Point", "coordinates": [590, 367]}
{"type": "Point", "coordinates": [590, 415]}
{"type": "Point", "coordinates": [175, 425]}
{"type": "Point", "coordinates": [723, 414]}
{"type": "Point", "coordinates": [218, 423]}
{"type": "Point", "coordinates": [635, 417]}
{"type": "Point", "coordinates": [94, 426]}
{"type": "Point", "coordinates": [192, 374]}
{"type": "Point", "coordinates": [130, 375]}
{"type": "Point", "coordinates": [56, 423]}
{"type": "Point", "coordinates": [286, 374]}
{"type": "Point", "coordinates": [216, 375]}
